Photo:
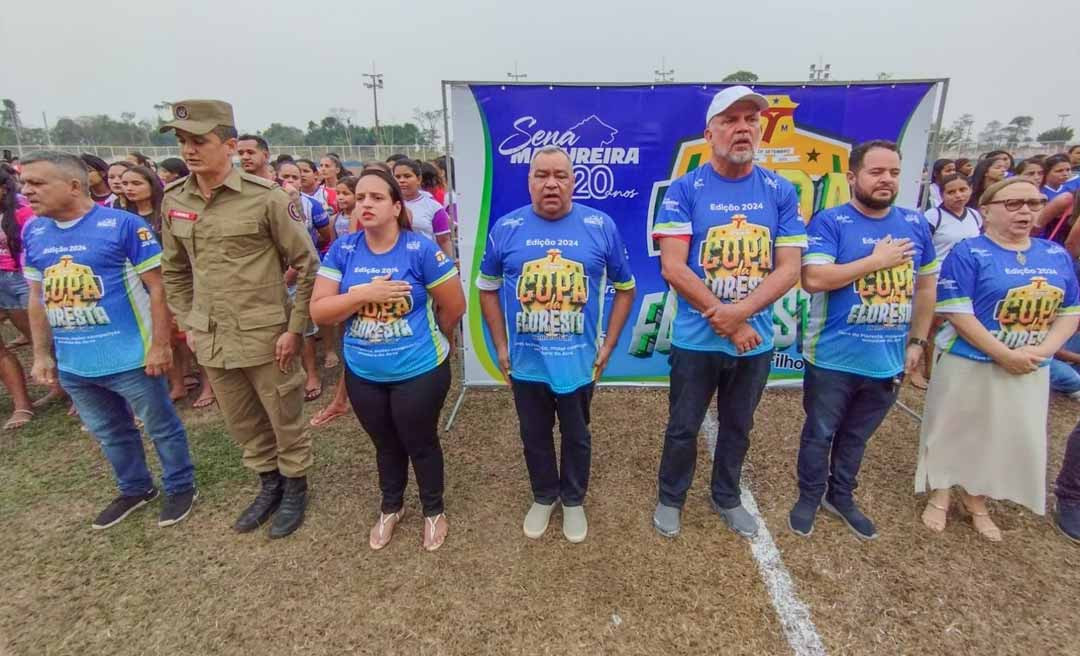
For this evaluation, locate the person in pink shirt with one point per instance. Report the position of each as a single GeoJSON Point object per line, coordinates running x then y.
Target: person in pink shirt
{"type": "Point", "coordinates": [14, 294]}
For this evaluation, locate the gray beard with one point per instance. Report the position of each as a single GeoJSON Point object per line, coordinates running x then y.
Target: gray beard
{"type": "Point", "coordinates": [740, 158]}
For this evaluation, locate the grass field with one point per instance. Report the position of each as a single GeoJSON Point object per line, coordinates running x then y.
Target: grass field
{"type": "Point", "coordinates": [198, 588]}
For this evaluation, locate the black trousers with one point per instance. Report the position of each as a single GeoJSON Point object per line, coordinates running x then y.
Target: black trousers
{"type": "Point", "coordinates": [402, 419]}
{"type": "Point", "coordinates": [537, 406]}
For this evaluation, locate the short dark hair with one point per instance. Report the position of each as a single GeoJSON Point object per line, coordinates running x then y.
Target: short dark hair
{"type": "Point", "coordinates": [858, 153]}
{"type": "Point", "coordinates": [174, 165]}
{"type": "Point", "coordinates": [1072, 148]}
{"type": "Point", "coordinates": [311, 165]}
{"type": "Point", "coordinates": [283, 157]}
{"type": "Point", "coordinates": [225, 132]}
{"type": "Point", "coordinates": [259, 141]}
{"type": "Point", "coordinates": [96, 163]}
{"type": "Point", "coordinates": [411, 164]}
{"type": "Point", "coordinates": [953, 177]}
{"type": "Point", "coordinates": [396, 157]}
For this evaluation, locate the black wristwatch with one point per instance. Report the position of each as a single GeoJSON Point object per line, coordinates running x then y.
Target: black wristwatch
{"type": "Point", "coordinates": [915, 341]}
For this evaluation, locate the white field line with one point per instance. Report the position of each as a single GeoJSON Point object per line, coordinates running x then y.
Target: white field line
{"type": "Point", "coordinates": [794, 616]}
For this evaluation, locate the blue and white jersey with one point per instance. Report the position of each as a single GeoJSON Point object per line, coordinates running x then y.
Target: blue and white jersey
{"type": "Point", "coordinates": [97, 306]}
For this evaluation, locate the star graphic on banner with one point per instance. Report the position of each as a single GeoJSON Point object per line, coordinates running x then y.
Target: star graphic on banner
{"type": "Point", "coordinates": [812, 155]}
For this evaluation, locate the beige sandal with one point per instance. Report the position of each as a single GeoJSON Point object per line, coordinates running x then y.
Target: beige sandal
{"type": "Point", "coordinates": [989, 529]}
{"type": "Point", "coordinates": [435, 531]}
{"type": "Point", "coordinates": [18, 419]}
{"type": "Point", "coordinates": [930, 520]}
{"type": "Point", "coordinates": [383, 531]}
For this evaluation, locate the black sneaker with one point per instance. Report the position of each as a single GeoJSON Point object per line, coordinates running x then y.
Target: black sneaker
{"type": "Point", "coordinates": [121, 507]}
{"type": "Point", "coordinates": [177, 507]}
{"type": "Point", "coordinates": [859, 523]}
{"type": "Point", "coordinates": [801, 517]}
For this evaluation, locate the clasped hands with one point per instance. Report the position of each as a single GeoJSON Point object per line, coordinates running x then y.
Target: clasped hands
{"type": "Point", "coordinates": [729, 320]}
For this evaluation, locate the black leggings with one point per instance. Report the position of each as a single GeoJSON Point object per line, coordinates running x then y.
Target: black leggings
{"type": "Point", "coordinates": [402, 419]}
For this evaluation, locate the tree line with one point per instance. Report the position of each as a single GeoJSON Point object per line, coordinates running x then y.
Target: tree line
{"type": "Point", "coordinates": [102, 129]}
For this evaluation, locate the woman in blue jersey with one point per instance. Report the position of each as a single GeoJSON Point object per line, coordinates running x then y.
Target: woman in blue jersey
{"type": "Point", "coordinates": [1010, 301]}
{"type": "Point", "coordinates": [1058, 172]}
{"type": "Point", "coordinates": [400, 299]}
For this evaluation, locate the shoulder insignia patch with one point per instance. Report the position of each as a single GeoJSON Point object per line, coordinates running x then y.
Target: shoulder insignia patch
{"type": "Point", "coordinates": [294, 211]}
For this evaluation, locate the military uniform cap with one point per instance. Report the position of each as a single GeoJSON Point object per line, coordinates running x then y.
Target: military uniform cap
{"type": "Point", "coordinates": [199, 116]}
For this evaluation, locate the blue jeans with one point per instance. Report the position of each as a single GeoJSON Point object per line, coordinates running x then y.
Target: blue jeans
{"type": "Point", "coordinates": [105, 404]}
{"type": "Point", "coordinates": [1065, 377]}
{"type": "Point", "coordinates": [695, 377]}
{"type": "Point", "coordinates": [842, 411]}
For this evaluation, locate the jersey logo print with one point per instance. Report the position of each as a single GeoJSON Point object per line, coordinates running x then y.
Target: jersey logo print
{"type": "Point", "coordinates": [382, 322]}
{"type": "Point", "coordinates": [1025, 314]}
{"type": "Point", "coordinates": [886, 296]}
{"type": "Point", "coordinates": [736, 257]}
{"type": "Point", "coordinates": [553, 292]}
{"type": "Point", "coordinates": [71, 293]}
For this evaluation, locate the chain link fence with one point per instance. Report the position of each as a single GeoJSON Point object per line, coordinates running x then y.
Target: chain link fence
{"type": "Point", "coordinates": [973, 149]}
{"type": "Point", "coordinates": [349, 154]}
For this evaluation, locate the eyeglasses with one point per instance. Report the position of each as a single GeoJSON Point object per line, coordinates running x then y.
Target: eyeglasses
{"type": "Point", "coordinates": [1014, 204]}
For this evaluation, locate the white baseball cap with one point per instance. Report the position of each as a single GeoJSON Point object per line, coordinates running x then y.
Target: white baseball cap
{"type": "Point", "coordinates": [732, 95]}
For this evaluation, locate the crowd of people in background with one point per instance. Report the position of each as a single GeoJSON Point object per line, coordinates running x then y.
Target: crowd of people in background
{"type": "Point", "coordinates": [952, 196]}
{"type": "Point", "coordinates": [231, 263]}
{"type": "Point", "coordinates": [136, 184]}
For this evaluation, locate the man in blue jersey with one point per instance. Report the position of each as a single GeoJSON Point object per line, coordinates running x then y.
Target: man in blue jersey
{"type": "Point", "coordinates": [731, 240]}
{"type": "Point", "coordinates": [545, 267]}
{"type": "Point", "coordinates": [872, 271]}
{"type": "Point", "coordinates": [96, 296]}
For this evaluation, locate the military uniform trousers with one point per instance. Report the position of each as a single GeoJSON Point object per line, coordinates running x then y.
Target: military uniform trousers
{"type": "Point", "coordinates": [264, 412]}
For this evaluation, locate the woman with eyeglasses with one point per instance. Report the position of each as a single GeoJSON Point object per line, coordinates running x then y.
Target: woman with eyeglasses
{"type": "Point", "coordinates": [1010, 301]}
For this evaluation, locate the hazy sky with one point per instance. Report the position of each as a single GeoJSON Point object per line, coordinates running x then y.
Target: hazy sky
{"type": "Point", "coordinates": [290, 62]}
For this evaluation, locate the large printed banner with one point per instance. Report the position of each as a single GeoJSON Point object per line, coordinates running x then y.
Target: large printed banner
{"type": "Point", "coordinates": [627, 144]}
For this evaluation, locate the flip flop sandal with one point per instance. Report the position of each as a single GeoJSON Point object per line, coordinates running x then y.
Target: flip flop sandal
{"type": "Point", "coordinates": [312, 394]}
{"type": "Point", "coordinates": [323, 418]}
{"type": "Point", "coordinates": [199, 404]}
{"type": "Point", "coordinates": [380, 534]}
{"type": "Point", "coordinates": [431, 527]}
{"type": "Point", "coordinates": [18, 419]}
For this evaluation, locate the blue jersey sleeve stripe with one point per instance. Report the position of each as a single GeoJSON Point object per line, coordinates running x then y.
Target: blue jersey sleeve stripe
{"type": "Point", "coordinates": [623, 286]}
{"type": "Point", "coordinates": [818, 258]}
{"type": "Point", "coordinates": [1069, 311]}
{"type": "Point", "coordinates": [152, 262]}
{"type": "Point", "coordinates": [329, 273]}
{"type": "Point", "coordinates": [673, 228]}
{"type": "Point", "coordinates": [791, 240]}
{"type": "Point", "coordinates": [443, 278]}
{"type": "Point", "coordinates": [30, 273]}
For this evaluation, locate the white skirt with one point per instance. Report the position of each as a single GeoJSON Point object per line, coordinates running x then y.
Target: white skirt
{"type": "Point", "coordinates": [984, 429]}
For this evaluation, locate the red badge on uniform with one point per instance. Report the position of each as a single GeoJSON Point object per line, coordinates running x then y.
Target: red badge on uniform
{"type": "Point", "coordinates": [183, 216]}
{"type": "Point", "coordinates": [294, 212]}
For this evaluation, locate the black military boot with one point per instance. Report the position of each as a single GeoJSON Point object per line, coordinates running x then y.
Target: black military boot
{"type": "Point", "coordinates": [291, 514]}
{"type": "Point", "coordinates": [264, 505]}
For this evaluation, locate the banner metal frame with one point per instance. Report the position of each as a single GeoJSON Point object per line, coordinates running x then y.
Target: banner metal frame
{"type": "Point", "coordinates": [938, 84]}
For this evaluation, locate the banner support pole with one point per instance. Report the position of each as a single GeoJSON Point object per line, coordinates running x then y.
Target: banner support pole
{"type": "Point", "coordinates": [935, 150]}
{"type": "Point", "coordinates": [455, 235]}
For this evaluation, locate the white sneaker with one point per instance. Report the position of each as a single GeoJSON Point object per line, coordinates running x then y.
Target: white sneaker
{"type": "Point", "coordinates": [536, 520]}
{"type": "Point", "coordinates": [574, 525]}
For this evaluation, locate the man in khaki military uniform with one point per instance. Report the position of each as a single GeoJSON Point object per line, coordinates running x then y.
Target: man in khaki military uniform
{"type": "Point", "coordinates": [228, 237]}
